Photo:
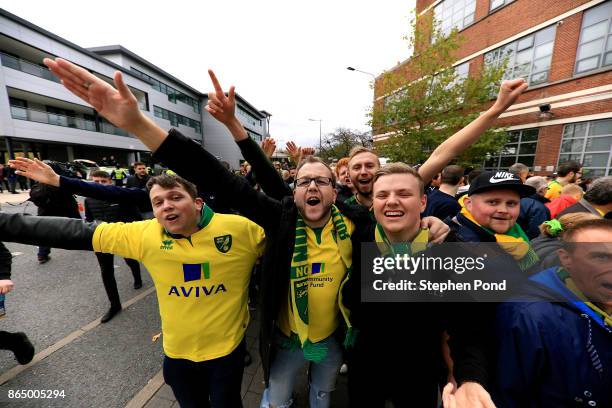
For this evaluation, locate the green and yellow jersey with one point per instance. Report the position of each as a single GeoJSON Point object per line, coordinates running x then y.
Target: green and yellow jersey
{"type": "Point", "coordinates": [201, 281]}
{"type": "Point", "coordinates": [326, 274]}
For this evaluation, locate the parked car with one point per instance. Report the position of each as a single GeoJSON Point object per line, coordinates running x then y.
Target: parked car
{"type": "Point", "coordinates": [86, 166]}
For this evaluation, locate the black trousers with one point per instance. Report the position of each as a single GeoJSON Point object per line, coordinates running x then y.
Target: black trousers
{"type": "Point", "coordinates": [213, 383]}
{"type": "Point", "coordinates": [107, 267]}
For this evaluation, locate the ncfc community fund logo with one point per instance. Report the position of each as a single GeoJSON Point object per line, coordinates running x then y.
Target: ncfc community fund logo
{"type": "Point", "coordinates": [223, 243]}
{"type": "Point", "coordinates": [193, 273]}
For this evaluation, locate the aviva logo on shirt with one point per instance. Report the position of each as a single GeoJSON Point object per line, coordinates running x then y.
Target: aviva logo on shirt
{"type": "Point", "coordinates": [196, 272]}
{"type": "Point", "coordinates": [193, 272]}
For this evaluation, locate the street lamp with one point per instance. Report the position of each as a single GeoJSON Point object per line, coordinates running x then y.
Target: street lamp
{"type": "Point", "coordinates": [318, 120]}
{"type": "Point", "coordinates": [363, 72]}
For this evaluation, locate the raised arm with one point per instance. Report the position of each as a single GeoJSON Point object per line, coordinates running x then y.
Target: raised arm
{"type": "Point", "coordinates": [179, 153]}
{"type": "Point", "coordinates": [43, 173]}
{"type": "Point", "coordinates": [223, 108]}
{"type": "Point", "coordinates": [460, 141]}
{"type": "Point", "coordinates": [55, 232]}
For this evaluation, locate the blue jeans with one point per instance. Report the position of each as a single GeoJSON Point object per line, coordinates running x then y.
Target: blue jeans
{"type": "Point", "coordinates": [322, 376]}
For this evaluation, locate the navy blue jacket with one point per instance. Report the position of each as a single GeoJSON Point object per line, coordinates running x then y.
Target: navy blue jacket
{"type": "Point", "coordinates": [533, 214]}
{"type": "Point", "coordinates": [552, 354]}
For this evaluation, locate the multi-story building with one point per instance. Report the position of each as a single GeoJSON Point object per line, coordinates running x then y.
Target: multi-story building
{"type": "Point", "coordinates": [38, 116]}
{"type": "Point", "coordinates": [563, 48]}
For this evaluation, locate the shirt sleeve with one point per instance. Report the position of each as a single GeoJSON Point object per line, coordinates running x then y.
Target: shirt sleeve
{"type": "Point", "coordinates": [121, 239]}
{"type": "Point", "coordinates": [258, 238]}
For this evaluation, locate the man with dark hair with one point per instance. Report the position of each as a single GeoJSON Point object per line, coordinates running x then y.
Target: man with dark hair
{"type": "Point", "coordinates": [200, 263]}
{"type": "Point", "coordinates": [597, 200]}
{"type": "Point", "coordinates": [554, 345]}
{"type": "Point", "coordinates": [103, 211]}
{"type": "Point", "coordinates": [441, 202]}
{"type": "Point", "coordinates": [139, 180]}
{"type": "Point", "coordinates": [567, 172]}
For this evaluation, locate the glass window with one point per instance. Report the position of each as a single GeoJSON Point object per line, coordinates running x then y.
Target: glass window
{"type": "Point", "coordinates": [499, 3]}
{"type": "Point", "coordinates": [457, 14]}
{"type": "Point", "coordinates": [595, 39]}
{"type": "Point", "coordinates": [528, 57]}
{"type": "Point", "coordinates": [520, 148]}
{"type": "Point", "coordinates": [589, 143]}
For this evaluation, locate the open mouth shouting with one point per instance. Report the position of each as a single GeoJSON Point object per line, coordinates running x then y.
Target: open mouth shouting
{"type": "Point", "coordinates": [171, 217]}
{"type": "Point", "coordinates": [313, 201]}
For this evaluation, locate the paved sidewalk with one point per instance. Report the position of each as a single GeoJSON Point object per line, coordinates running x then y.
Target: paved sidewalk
{"type": "Point", "coordinates": [8, 198]}
{"type": "Point", "coordinates": [159, 395]}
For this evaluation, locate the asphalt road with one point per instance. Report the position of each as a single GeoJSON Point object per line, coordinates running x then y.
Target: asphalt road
{"type": "Point", "coordinates": [105, 366]}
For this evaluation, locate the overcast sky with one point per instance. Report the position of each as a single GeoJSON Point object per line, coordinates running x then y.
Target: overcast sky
{"type": "Point", "coordinates": [286, 57]}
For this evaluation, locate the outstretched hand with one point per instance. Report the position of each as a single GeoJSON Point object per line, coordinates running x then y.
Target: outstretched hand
{"type": "Point", "coordinates": [118, 105]}
{"type": "Point", "coordinates": [294, 152]}
{"type": "Point", "coordinates": [509, 91]}
{"type": "Point", "coordinates": [6, 285]}
{"type": "Point", "coordinates": [268, 145]}
{"type": "Point", "coordinates": [35, 170]}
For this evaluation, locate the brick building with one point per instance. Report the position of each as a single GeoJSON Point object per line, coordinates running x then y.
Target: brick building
{"type": "Point", "coordinates": [563, 48]}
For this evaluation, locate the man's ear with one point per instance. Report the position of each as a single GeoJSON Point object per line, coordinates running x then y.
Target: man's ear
{"type": "Point", "coordinates": [199, 203]}
{"type": "Point", "coordinates": [467, 201]}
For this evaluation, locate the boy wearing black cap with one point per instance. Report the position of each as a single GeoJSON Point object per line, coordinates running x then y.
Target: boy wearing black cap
{"type": "Point", "coordinates": [491, 209]}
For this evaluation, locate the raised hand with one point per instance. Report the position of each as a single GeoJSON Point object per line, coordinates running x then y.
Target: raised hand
{"type": "Point", "coordinates": [268, 145]}
{"type": "Point", "coordinates": [35, 170]}
{"type": "Point", "coordinates": [509, 91]}
{"type": "Point", "coordinates": [306, 151]}
{"type": "Point", "coordinates": [118, 105]}
{"type": "Point", "coordinates": [223, 108]}
{"type": "Point", "coordinates": [293, 151]}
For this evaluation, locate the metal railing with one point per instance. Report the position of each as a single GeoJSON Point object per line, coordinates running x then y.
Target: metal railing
{"type": "Point", "coordinates": [27, 67]}
{"type": "Point", "coordinates": [33, 115]}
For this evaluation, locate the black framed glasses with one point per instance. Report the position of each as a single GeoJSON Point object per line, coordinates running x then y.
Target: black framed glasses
{"type": "Point", "coordinates": [319, 181]}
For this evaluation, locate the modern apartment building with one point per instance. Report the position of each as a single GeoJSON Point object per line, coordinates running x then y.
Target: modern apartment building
{"type": "Point", "coordinates": [563, 48]}
{"type": "Point", "coordinates": [39, 116]}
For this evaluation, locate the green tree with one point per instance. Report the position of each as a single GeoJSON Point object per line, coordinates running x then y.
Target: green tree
{"type": "Point", "coordinates": [428, 100]}
{"type": "Point", "coordinates": [339, 143]}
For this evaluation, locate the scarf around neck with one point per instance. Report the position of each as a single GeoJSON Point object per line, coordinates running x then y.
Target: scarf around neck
{"type": "Point", "coordinates": [386, 247]}
{"type": "Point", "coordinates": [299, 282]}
{"type": "Point", "coordinates": [514, 242]}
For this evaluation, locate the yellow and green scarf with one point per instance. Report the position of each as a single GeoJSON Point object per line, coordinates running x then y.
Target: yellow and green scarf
{"type": "Point", "coordinates": [569, 283]}
{"type": "Point", "coordinates": [386, 247]}
{"type": "Point", "coordinates": [300, 272]}
{"type": "Point", "coordinates": [514, 242]}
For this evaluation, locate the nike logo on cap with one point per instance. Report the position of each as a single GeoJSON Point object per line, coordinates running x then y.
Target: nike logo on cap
{"type": "Point", "coordinates": [502, 176]}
